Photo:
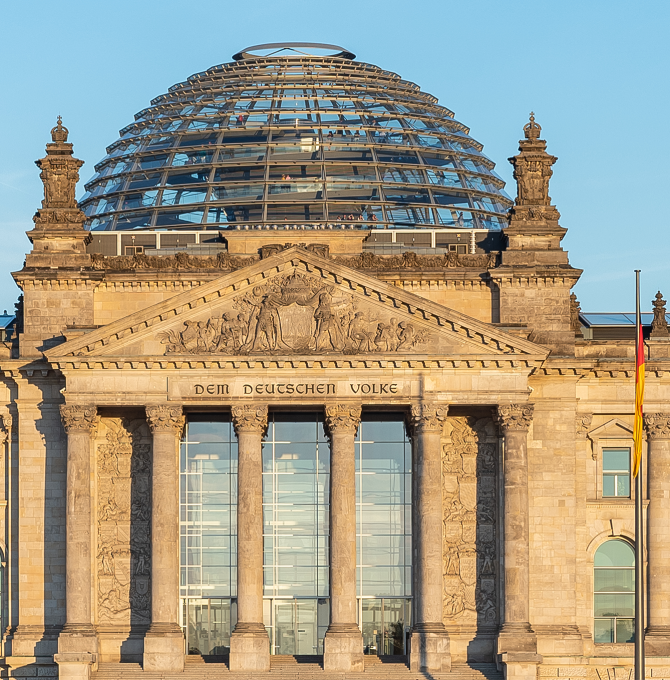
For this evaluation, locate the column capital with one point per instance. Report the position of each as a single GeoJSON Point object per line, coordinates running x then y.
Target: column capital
{"type": "Point", "coordinates": [250, 418]}
{"type": "Point", "coordinates": [343, 417]}
{"type": "Point", "coordinates": [429, 416]}
{"type": "Point", "coordinates": [514, 417]}
{"type": "Point", "coordinates": [79, 417]}
{"type": "Point", "coordinates": [582, 424]}
{"type": "Point", "coordinates": [657, 425]}
{"type": "Point", "coordinates": [164, 418]}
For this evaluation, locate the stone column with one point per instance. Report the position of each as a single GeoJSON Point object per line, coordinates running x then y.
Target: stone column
{"type": "Point", "coordinates": [77, 643]}
{"type": "Point", "coordinates": [429, 643]}
{"type": "Point", "coordinates": [658, 531]}
{"type": "Point", "coordinates": [249, 643]}
{"type": "Point", "coordinates": [343, 644]}
{"type": "Point", "coordinates": [164, 641]}
{"type": "Point", "coordinates": [517, 643]}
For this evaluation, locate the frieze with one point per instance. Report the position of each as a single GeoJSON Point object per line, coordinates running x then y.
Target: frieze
{"type": "Point", "coordinates": [180, 261]}
{"type": "Point", "coordinates": [294, 314]}
{"type": "Point", "coordinates": [123, 556]}
{"type": "Point", "coordinates": [365, 261]}
{"type": "Point", "coordinates": [469, 502]}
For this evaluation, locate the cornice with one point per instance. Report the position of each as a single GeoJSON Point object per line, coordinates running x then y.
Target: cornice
{"type": "Point", "coordinates": [524, 363]}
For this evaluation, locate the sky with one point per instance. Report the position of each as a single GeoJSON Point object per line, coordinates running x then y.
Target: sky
{"type": "Point", "coordinates": [594, 72]}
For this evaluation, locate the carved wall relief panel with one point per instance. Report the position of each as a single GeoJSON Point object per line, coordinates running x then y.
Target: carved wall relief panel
{"type": "Point", "coordinates": [124, 522]}
{"type": "Point", "coordinates": [469, 461]}
{"type": "Point", "coordinates": [294, 314]}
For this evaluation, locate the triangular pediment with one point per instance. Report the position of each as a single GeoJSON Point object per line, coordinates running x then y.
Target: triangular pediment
{"type": "Point", "coordinates": [296, 303]}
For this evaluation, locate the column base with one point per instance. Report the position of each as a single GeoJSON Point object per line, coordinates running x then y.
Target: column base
{"type": "Point", "coordinates": [430, 649]}
{"type": "Point", "coordinates": [77, 654]}
{"type": "Point", "coordinates": [657, 641]}
{"type": "Point", "coordinates": [163, 648]}
{"type": "Point", "coordinates": [519, 665]}
{"type": "Point", "coordinates": [75, 665]}
{"type": "Point", "coordinates": [249, 648]}
{"type": "Point", "coordinates": [517, 637]}
{"type": "Point", "coordinates": [343, 649]}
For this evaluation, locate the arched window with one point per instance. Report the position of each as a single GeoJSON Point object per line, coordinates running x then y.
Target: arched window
{"type": "Point", "coordinates": [614, 596]}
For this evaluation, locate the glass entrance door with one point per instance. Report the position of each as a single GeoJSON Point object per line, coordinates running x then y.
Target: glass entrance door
{"type": "Point", "coordinates": [298, 626]}
{"type": "Point", "coordinates": [384, 623]}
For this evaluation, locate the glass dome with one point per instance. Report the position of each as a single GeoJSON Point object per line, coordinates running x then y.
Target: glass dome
{"type": "Point", "coordinates": [295, 133]}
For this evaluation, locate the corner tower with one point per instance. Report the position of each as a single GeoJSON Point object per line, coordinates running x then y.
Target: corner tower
{"type": "Point", "coordinates": [535, 276]}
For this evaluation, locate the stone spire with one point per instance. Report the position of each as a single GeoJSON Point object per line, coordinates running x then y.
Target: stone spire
{"type": "Point", "coordinates": [659, 326]}
{"type": "Point", "coordinates": [59, 236]}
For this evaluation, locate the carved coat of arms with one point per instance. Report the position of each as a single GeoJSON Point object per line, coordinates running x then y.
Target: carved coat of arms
{"type": "Point", "coordinates": [293, 315]}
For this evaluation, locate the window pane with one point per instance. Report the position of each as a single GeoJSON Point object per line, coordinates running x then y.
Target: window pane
{"type": "Point", "coordinates": [614, 580]}
{"type": "Point", "coordinates": [616, 459]}
{"type": "Point", "coordinates": [608, 485]}
{"type": "Point", "coordinates": [615, 553]}
{"type": "Point", "coordinates": [614, 605]}
{"type": "Point", "coordinates": [623, 485]}
{"type": "Point", "coordinates": [625, 630]}
{"type": "Point", "coordinates": [603, 630]}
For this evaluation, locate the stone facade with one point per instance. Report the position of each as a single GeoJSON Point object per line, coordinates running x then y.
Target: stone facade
{"type": "Point", "coordinates": [508, 409]}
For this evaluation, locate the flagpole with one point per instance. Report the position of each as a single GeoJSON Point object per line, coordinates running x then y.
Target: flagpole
{"type": "Point", "coordinates": [639, 524]}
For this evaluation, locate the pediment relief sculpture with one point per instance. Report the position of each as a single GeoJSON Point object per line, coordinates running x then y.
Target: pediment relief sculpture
{"type": "Point", "coordinates": [296, 302]}
{"type": "Point", "coordinates": [295, 314]}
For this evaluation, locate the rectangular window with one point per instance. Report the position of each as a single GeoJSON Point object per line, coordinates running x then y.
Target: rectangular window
{"type": "Point", "coordinates": [616, 473]}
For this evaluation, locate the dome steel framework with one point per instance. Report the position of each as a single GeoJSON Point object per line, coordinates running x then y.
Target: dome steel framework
{"type": "Point", "coordinates": [294, 137]}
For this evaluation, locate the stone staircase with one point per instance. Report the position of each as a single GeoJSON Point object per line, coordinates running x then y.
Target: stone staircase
{"type": "Point", "coordinates": [295, 668]}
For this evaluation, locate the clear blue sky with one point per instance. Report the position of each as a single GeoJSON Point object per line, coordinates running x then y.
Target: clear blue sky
{"type": "Point", "coordinates": [595, 72]}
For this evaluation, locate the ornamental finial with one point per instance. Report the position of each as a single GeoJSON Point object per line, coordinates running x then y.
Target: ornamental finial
{"type": "Point", "coordinates": [532, 129]}
{"type": "Point", "coordinates": [60, 132]}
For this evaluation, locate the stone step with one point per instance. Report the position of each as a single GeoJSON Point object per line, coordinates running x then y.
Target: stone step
{"type": "Point", "coordinates": [292, 668]}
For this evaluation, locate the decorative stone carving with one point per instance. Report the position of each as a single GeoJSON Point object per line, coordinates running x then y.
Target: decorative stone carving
{"type": "Point", "coordinates": [124, 523]}
{"type": "Point", "coordinates": [60, 174]}
{"type": "Point", "coordinates": [5, 427]}
{"type": "Point", "coordinates": [227, 262]}
{"type": "Point", "coordinates": [410, 260]}
{"type": "Point", "coordinates": [343, 417]}
{"type": "Point", "coordinates": [320, 249]}
{"type": "Point", "coordinates": [514, 417]}
{"type": "Point", "coordinates": [250, 417]}
{"type": "Point", "coordinates": [179, 261]}
{"type": "Point", "coordinates": [575, 309]}
{"type": "Point", "coordinates": [294, 314]}
{"type": "Point", "coordinates": [659, 326]}
{"type": "Point", "coordinates": [165, 418]}
{"type": "Point", "coordinates": [657, 425]}
{"type": "Point", "coordinates": [583, 424]}
{"type": "Point", "coordinates": [79, 418]}
{"type": "Point", "coordinates": [532, 168]}
{"type": "Point", "coordinates": [469, 519]}
{"type": "Point", "coordinates": [428, 416]}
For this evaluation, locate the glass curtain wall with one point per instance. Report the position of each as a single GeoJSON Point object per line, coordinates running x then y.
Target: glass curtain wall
{"type": "Point", "coordinates": [296, 477]}
{"type": "Point", "coordinates": [384, 524]}
{"type": "Point", "coordinates": [208, 533]}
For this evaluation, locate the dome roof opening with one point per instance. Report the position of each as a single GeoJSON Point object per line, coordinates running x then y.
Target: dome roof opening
{"type": "Point", "coordinates": [295, 133]}
{"type": "Point", "coordinates": [293, 49]}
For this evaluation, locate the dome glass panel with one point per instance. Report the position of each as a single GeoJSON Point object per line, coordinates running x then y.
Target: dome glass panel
{"type": "Point", "coordinates": [295, 134]}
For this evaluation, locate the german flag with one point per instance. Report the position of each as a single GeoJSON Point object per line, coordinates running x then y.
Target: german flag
{"type": "Point", "coordinates": [639, 400]}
